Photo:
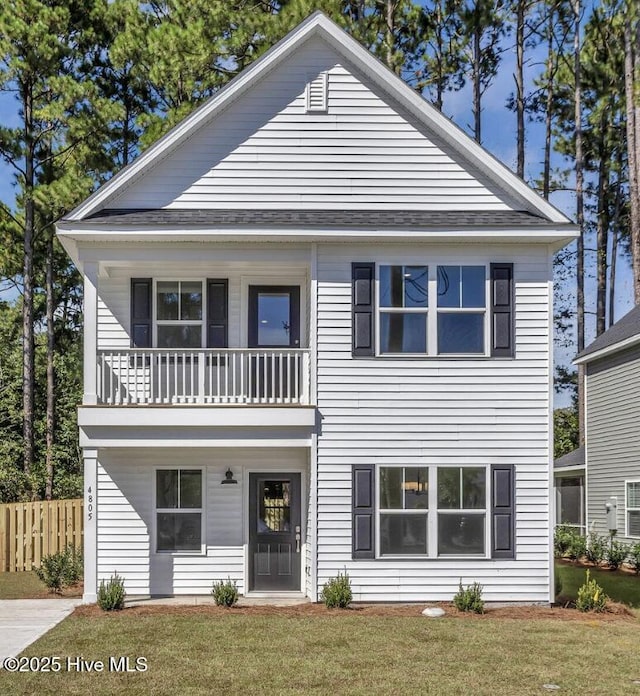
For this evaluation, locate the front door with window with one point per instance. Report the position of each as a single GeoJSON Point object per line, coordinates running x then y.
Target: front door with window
{"type": "Point", "coordinates": [275, 533]}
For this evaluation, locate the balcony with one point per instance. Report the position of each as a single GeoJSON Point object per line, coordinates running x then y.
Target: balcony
{"type": "Point", "coordinates": [209, 377]}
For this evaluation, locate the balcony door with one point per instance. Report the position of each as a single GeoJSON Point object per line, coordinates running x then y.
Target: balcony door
{"type": "Point", "coordinates": [274, 316]}
{"type": "Point", "coordinates": [274, 324]}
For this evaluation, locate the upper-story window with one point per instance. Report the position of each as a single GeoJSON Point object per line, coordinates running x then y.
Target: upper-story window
{"type": "Point", "coordinates": [461, 309]}
{"type": "Point", "coordinates": [457, 326]}
{"type": "Point", "coordinates": [403, 309]}
{"type": "Point", "coordinates": [179, 314]}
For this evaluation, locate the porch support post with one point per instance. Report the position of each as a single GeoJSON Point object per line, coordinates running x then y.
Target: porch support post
{"type": "Point", "coordinates": [90, 457]}
{"type": "Point", "coordinates": [90, 356]}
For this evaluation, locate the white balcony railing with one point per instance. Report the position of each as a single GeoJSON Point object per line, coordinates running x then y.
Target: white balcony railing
{"type": "Point", "coordinates": [229, 376]}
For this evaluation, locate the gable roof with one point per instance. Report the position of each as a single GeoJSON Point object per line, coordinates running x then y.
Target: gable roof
{"type": "Point", "coordinates": [319, 25]}
{"type": "Point", "coordinates": [572, 459]}
{"type": "Point", "coordinates": [623, 334]}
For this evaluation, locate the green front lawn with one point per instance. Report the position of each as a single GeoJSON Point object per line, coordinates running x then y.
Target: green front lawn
{"type": "Point", "coordinates": [620, 586]}
{"type": "Point", "coordinates": [210, 651]}
{"type": "Point", "coordinates": [21, 586]}
{"type": "Point", "coordinates": [26, 585]}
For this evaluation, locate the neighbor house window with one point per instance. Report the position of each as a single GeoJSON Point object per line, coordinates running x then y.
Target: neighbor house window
{"type": "Point", "coordinates": [448, 518]}
{"type": "Point", "coordinates": [461, 309]}
{"type": "Point", "coordinates": [633, 508]}
{"type": "Point", "coordinates": [179, 314]}
{"type": "Point", "coordinates": [403, 302]}
{"type": "Point", "coordinates": [404, 509]}
{"type": "Point", "coordinates": [179, 510]}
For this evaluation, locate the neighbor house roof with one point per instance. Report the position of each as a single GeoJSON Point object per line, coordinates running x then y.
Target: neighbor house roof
{"type": "Point", "coordinates": [319, 25]}
{"type": "Point", "coordinates": [390, 219]}
{"type": "Point", "coordinates": [623, 334]}
{"type": "Point", "coordinates": [572, 459]}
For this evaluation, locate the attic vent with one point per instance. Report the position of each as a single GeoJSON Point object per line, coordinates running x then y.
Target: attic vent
{"type": "Point", "coordinates": [317, 93]}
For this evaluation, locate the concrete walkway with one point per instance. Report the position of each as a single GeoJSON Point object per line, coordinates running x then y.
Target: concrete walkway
{"type": "Point", "coordinates": [23, 621]}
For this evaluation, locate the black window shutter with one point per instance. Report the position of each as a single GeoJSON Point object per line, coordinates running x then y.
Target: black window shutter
{"type": "Point", "coordinates": [363, 311]}
{"type": "Point", "coordinates": [502, 311]}
{"type": "Point", "coordinates": [141, 312]}
{"type": "Point", "coordinates": [363, 511]}
{"type": "Point", "coordinates": [217, 313]}
{"type": "Point", "coordinates": [503, 517]}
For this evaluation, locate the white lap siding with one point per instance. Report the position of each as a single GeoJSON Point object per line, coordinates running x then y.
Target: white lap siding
{"type": "Point", "coordinates": [126, 483]}
{"type": "Point", "coordinates": [266, 151]}
{"type": "Point", "coordinates": [435, 411]}
{"type": "Point", "coordinates": [114, 292]}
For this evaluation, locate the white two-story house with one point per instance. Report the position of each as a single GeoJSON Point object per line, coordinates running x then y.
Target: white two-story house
{"type": "Point", "coordinates": [317, 338]}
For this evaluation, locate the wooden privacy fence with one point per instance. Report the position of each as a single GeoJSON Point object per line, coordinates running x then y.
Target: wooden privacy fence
{"type": "Point", "coordinates": [29, 531]}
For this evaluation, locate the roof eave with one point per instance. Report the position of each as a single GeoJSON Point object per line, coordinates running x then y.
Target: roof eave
{"type": "Point", "coordinates": [629, 342]}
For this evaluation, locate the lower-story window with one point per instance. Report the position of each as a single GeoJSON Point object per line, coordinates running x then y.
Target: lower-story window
{"type": "Point", "coordinates": [633, 508]}
{"type": "Point", "coordinates": [179, 510]}
{"type": "Point", "coordinates": [447, 518]}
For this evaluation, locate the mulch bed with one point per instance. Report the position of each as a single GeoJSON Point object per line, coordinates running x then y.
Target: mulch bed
{"type": "Point", "coordinates": [616, 612]}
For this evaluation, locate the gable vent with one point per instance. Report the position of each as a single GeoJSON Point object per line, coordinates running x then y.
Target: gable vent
{"type": "Point", "coordinates": [317, 93]}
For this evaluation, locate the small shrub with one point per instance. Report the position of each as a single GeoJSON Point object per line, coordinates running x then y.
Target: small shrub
{"type": "Point", "coordinates": [617, 554]}
{"type": "Point", "coordinates": [634, 557]}
{"type": "Point", "coordinates": [591, 596]}
{"type": "Point", "coordinates": [336, 592]}
{"type": "Point", "coordinates": [52, 571]}
{"type": "Point", "coordinates": [74, 565]}
{"type": "Point", "coordinates": [61, 569]}
{"type": "Point", "coordinates": [577, 547]}
{"type": "Point", "coordinates": [469, 598]}
{"type": "Point", "coordinates": [561, 540]}
{"type": "Point", "coordinates": [225, 594]}
{"type": "Point", "coordinates": [111, 594]}
{"type": "Point", "coordinates": [596, 548]}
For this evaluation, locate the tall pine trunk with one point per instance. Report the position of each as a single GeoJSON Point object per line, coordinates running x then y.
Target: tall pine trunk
{"type": "Point", "coordinates": [28, 342]}
{"type": "Point", "coordinates": [51, 386]}
{"type": "Point", "coordinates": [548, 115]}
{"type": "Point", "coordinates": [477, 91]}
{"type": "Point", "coordinates": [631, 75]}
{"type": "Point", "coordinates": [519, 79]}
{"type": "Point", "coordinates": [579, 165]}
{"type": "Point", "coordinates": [602, 228]}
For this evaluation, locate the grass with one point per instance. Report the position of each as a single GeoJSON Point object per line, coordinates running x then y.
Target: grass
{"type": "Point", "coordinates": [620, 586]}
{"type": "Point", "coordinates": [26, 585]}
{"type": "Point", "coordinates": [21, 586]}
{"type": "Point", "coordinates": [196, 652]}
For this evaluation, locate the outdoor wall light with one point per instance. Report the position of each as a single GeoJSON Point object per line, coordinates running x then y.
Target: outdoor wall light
{"type": "Point", "coordinates": [228, 477]}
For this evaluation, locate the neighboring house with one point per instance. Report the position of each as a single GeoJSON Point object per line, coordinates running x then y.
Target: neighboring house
{"type": "Point", "coordinates": [612, 418]}
{"type": "Point", "coordinates": [317, 338]}
{"type": "Point", "coordinates": [569, 476]}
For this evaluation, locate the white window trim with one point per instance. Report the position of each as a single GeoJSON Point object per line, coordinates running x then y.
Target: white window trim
{"type": "Point", "coordinates": [432, 511]}
{"type": "Point", "coordinates": [627, 509]}
{"type": "Point", "coordinates": [176, 322]}
{"type": "Point", "coordinates": [201, 510]}
{"type": "Point", "coordinates": [432, 310]}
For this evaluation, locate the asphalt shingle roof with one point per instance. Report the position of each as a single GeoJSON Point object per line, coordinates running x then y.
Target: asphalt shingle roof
{"type": "Point", "coordinates": [375, 219]}
{"type": "Point", "coordinates": [575, 458]}
{"type": "Point", "coordinates": [624, 328]}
